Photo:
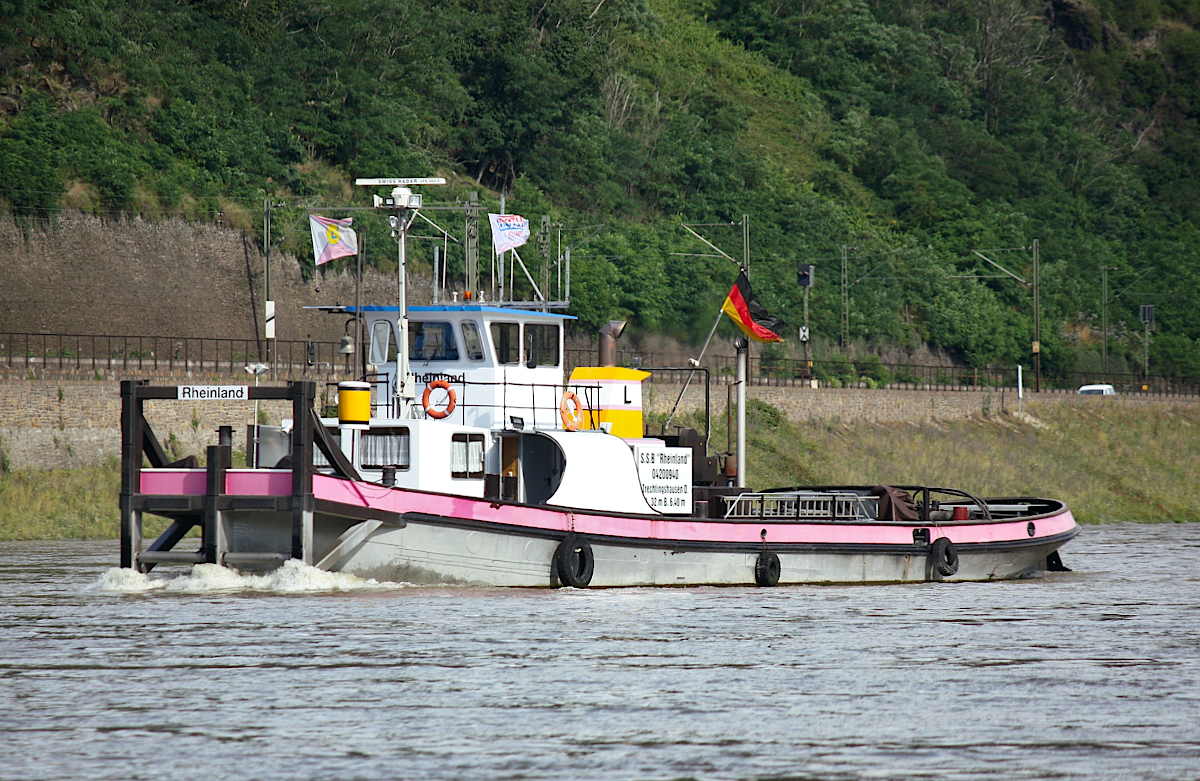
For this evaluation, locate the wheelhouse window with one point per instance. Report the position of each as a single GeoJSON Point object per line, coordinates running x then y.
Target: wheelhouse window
{"type": "Point", "coordinates": [431, 342]}
{"type": "Point", "coordinates": [466, 456]}
{"type": "Point", "coordinates": [383, 347]}
{"type": "Point", "coordinates": [472, 341]}
{"type": "Point", "coordinates": [384, 447]}
{"type": "Point", "coordinates": [541, 344]}
{"type": "Point", "coordinates": [507, 339]}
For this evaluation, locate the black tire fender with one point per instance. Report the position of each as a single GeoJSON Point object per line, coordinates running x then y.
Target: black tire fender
{"type": "Point", "coordinates": [573, 563]}
{"type": "Point", "coordinates": [766, 569]}
{"type": "Point", "coordinates": [943, 559]}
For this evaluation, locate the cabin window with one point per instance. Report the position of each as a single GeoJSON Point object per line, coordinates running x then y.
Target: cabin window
{"type": "Point", "coordinates": [466, 456]}
{"type": "Point", "coordinates": [541, 344]}
{"type": "Point", "coordinates": [431, 342]}
{"type": "Point", "coordinates": [472, 342]}
{"type": "Point", "coordinates": [507, 338]}
{"type": "Point", "coordinates": [384, 447]}
{"type": "Point", "coordinates": [383, 347]}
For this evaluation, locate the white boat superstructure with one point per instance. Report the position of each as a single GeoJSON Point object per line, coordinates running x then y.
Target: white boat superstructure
{"type": "Point", "coordinates": [487, 416]}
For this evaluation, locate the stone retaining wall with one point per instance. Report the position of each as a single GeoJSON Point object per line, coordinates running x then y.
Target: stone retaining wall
{"type": "Point", "coordinates": [845, 404]}
{"type": "Point", "coordinates": [862, 405]}
{"type": "Point", "coordinates": [73, 423]}
{"type": "Point", "coordinates": [68, 424]}
{"type": "Point", "coordinates": [81, 274]}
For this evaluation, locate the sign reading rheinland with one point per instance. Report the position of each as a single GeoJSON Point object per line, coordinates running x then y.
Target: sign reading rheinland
{"type": "Point", "coordinates": [666, 475]}
{"type": "Point", "coordinates": [213, 392]}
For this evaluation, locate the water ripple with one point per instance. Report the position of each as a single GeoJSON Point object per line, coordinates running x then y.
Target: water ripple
{"type": "Point", "coordinates": [191, 673]}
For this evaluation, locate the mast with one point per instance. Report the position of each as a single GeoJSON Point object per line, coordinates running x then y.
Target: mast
{"type": "Point", "coordinates": [405, 204]}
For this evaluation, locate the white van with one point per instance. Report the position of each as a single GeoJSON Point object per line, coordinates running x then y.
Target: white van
{"type": "Point", "coordinates": [1097, 390]}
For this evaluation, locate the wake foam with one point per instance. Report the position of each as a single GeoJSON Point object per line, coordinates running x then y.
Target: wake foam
{"type": "Point", "coordinates": [294, 577]}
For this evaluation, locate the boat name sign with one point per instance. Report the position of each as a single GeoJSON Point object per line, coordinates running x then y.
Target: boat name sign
{"type": "Point", "coordinates": [205, 392]}
{"type": "Point", "coordinates": [435, 376]}
{"type": "Point", "coordinates": [666, 476]}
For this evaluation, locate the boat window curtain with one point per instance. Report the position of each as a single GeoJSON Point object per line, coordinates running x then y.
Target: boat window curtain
{"type": "Point", "coordinates": [388, 447]}
{"type": "Point", "coordinates": [475, 455]}
{"type": "Point", "coordinates": [466, 455]}
{"type": "Point", "coordinates": [458, 455]}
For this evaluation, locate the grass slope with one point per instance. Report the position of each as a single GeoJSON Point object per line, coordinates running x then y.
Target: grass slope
{"type": "Point", "coordinates": [61, 504]}
{"type": "Point", "coordinates": [1110, 461]}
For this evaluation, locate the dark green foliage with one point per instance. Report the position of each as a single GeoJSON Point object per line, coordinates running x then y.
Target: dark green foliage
{"type": "Point", "coordinates": [1176, 355]}
{"type": "Point", "coordinates": [30, 160]}
{"type": "Point", "coordinates": [910, 132]}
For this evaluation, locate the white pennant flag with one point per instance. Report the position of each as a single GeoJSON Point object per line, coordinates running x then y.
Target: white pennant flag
{"type": "Point", "coordinates": [332, 238]}
{"type": "Point", "coordinates": [509, 231]}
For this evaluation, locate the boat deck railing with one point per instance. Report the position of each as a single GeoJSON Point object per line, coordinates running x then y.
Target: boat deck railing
{"type": "Point", "coordinates": [801, 506]}
{"type": "Point", "coordinates": [497, 399]}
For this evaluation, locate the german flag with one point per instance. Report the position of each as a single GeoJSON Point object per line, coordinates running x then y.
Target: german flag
{"type": "Point", "coordinates": [750, 315]}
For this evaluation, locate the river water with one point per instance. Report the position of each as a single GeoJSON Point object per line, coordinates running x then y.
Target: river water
{"type": "Point", "coordinates": [1092, 674]}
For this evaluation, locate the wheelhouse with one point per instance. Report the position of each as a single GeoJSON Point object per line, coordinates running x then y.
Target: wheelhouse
{"type": "Point", "coordinates": [504, 366]}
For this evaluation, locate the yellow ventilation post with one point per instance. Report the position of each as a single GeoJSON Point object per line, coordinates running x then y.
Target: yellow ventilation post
{"type": "Point", "coordinates": [620, 398]}
{"type": "Point", "coordinates": [354, 404]}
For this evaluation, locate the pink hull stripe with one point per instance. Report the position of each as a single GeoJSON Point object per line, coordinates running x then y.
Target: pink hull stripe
{"type": "Point", "coordinates": [687, 530]}
{"type": "Point", "coordinates": [264, 482]}
{"type": "Point", "coordinates": [240, 482]}
{"type": "Point", "coordinates": [258, 482]}
{"type": "Point", "coordinates": [173, 481]}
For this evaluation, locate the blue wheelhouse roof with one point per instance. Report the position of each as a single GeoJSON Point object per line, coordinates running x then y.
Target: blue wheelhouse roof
{"type": "Point", "coordinates": [492, 310]}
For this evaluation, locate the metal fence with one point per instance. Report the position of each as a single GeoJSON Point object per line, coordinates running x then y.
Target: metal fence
{"type": "Point", "coordinates": [80, 353]}
{"type": "Point", "coordinates": [872, 373]}
{"type": "Point", "coordinates": [66, 353]}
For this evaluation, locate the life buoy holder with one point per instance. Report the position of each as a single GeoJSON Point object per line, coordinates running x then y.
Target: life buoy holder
{"type": "Point", "coordinates": [432, 411]}
{"type": "Point", "coordinates": [569, 409]}
{"type": "Point", "coordinates": [943, 559]}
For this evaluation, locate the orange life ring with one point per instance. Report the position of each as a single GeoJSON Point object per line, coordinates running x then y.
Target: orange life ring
{"type": "Point", "coordinates": [571, 419]}
{"type": "Point", "coordinates": [438, 414]}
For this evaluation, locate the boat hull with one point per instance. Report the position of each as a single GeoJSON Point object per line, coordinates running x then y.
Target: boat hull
{"type": "Point", "coordinates": [432, 554]}
{"type": "Point", "coordinates": [403, 535]}
{"type": "Point", "coordinates": [480, 543]}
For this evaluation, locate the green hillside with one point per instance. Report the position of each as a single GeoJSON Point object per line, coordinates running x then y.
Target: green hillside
{"type": "Point", "coordinates": [911, 132]}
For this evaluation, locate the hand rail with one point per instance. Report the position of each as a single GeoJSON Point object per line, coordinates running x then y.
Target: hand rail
{"type": "Point", "coordinates": [85, 353]}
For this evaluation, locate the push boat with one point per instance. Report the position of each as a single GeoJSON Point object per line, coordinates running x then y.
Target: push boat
{"type": "Point", "coordinates": [467, 457]}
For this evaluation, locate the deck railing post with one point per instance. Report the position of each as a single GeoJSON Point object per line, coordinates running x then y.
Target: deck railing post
{"type": "Point", "coordinates": [131, 470]}
{"type": "Point", "coordinates": [303, 394]}
{"type": "Point", "coordinates": [216, 539]}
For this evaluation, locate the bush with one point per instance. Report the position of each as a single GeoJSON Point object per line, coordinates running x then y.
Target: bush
{"type": "Point", "coordinates": [30, 161]}
{"type": "Point", "coordinates": [869, 366]}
